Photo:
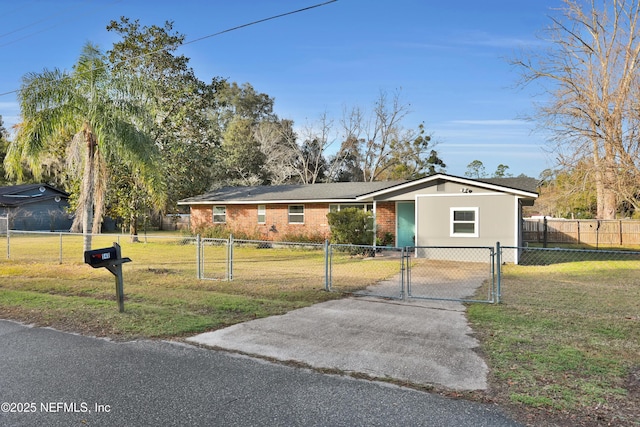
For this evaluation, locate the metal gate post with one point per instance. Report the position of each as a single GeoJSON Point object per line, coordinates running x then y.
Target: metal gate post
{"type": "Point", "coordinates": [499, 270]}
{"type": "Point", "coordinates": [198, 257]}
{"type": "Point", "coordinates": [405, 256]}
{"type": "Point", "coordinates": [230, 258]}
{"type": "Point", "coordinates": [492, 257]}
{"type": "Point", "coordinates": [326, 264]}
{"type": "Point", "coordinates": [403, 286]}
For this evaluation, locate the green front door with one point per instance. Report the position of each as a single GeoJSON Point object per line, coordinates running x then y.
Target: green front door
{"type": "Point", "coordinates": [406, 232]}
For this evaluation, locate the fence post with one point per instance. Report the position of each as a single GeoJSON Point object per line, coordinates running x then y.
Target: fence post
{"type": "Point", "coordinates": [230, 258]}
{"type": "Point", "coordinates": [8, 243]}
{"type": "Point", "coordinates": [492, 257]}
{"type": "Point", "coordinates": [499, 270]}
{"type": "Point", "coordinates": [326, 264]}
{"type": "Point", "coordinates": [198, 257]}
{"type": "Point", "coordinates": [404, 291]}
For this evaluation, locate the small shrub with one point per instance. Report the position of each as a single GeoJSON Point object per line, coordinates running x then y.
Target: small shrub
{"type": "Point", "coordinates": [351, 226]}
{"type": "Point", "coordinates": [303, 237]}
{"type": "Point", "coordinates": [220, 231]}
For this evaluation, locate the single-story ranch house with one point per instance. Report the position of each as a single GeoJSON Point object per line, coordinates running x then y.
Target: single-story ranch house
{"type": "Point", "coordinates": [439, 210]}
{"type": "Point", "coordinates": [35, 207]}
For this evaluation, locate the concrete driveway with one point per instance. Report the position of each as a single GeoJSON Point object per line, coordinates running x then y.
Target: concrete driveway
{"type": "Point", "coordinates": [422, 342]}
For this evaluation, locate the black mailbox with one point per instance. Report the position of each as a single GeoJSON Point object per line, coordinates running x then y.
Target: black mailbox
{"type": "Point", "coordinates": [101, 257]}
{"type": "Point", "coordinates": [111, 259]}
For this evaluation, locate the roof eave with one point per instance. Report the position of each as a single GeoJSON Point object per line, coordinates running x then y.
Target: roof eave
{"type": "Point", "coordinates": [263, 202]}
{"type": "Point", "coordinates": [460, 180]}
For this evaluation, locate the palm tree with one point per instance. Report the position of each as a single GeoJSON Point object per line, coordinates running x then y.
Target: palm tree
{"type": "Point", "coordinates": [94, 117]}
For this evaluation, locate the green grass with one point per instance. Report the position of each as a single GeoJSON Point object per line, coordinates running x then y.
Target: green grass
{"type": "Point", "coordinates": [563, 347]}
{"type": "Point", "coordinates": [163, 297]}
{"type": "Point", "coordinates": [565, 342]}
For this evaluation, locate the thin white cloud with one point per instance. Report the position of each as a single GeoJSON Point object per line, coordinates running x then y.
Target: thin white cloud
{"type": "Point", "coordinates": [489, 145]}
{"type": "Point", "coordinates": [500, 122]}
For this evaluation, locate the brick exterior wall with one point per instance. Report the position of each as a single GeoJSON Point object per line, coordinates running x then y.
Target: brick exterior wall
{"type": "Point", "coordinates": [201, 215]}
{"type": "Point", "coordinates": [244, 218]}
{"type": "Point", "coordinates": [386, 220]}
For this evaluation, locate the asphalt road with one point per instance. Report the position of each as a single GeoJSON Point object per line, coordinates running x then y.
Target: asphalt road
{"type": "Point", "coordinates": [53, 378]}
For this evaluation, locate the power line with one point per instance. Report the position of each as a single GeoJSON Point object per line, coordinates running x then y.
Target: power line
{"type": "Point", "coordinates": [261, 21]}
{"type": "Point", "coordinates": [216, 34]}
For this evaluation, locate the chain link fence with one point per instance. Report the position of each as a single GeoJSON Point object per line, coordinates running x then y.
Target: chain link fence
{"type": "Point", "coordinates": [473, 274]}
{"type": "Point", "coordinates": [558, 255]}
{"type": "Point", "coordinates": [269, 263]}
{"type": "Point", "coordinates": [166, 254]}
{"type": "Point", "coordinates": [4, 225]}
{"type": "Point", "coordinates": [563, 268]}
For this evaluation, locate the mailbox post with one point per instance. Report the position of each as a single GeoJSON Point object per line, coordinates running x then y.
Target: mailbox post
{"type": "Point", "coordinates": [111, 259]}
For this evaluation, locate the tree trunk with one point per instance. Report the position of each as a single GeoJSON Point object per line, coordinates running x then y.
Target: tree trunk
{"type": "Point", "coordinates": [133, 228]}
{"type": "Point", "coordinates": [87, 189]}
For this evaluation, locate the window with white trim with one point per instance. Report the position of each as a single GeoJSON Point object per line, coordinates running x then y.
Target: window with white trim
{"type": "Point", "coordinates": [219, 214]}
{"type": "Point", "coordinates": [296, 214]}
{"type": "Point", "coordinates": [464, 222]}
{"type": "Point", "coordinates": [262, 214]}
{"type": "Point", "coordinates": [337, 208]}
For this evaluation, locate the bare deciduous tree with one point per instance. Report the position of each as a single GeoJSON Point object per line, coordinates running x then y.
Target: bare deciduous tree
{"type": "Point", "coordinates": [592, 69]}
{"type": "Point", "coordinates": [278, 144]}
{"type": "Point", "coordinates": [378, 146]}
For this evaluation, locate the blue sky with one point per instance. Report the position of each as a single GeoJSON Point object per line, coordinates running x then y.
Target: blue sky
{"type": "Point", "coordinates": [448, 59]}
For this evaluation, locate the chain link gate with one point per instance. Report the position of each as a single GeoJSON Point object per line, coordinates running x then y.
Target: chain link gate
{"type": "Point", "coordinates": [451, 273]}
{"type": "Point", "coordinates": [363, 270]}
{"type": "Point", "coordinates": [213, 259]}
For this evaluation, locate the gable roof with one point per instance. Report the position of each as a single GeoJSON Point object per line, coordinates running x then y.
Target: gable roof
{"type": "Point", "coordinates": [344, 192]}
{"type": "Point", "coordinates": [19, 195]}
{"type": "Point", "coordinates": [291, 193]}
{"type": "Point", "coordinates": [519, 186]}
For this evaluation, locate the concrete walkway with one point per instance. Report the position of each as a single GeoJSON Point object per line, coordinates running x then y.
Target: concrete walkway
{"type": "Point", "coordinates": [423, 342]}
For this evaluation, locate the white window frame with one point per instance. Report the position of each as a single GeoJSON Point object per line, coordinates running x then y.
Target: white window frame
{"type": "Point", "coordinates": [453, 222]}
{"type": "Point", "coordinates": [218, 214]}
{"type": "Point", "coordinates": [262, 212]}
{"type": "Point", "coordinates": [337, 207]}
{"type": "Point", "coordinates": [295, 214]}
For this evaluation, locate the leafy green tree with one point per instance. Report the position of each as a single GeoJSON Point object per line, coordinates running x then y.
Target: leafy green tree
{"type": "Point", "coordinates": [346, 168]}
{"type": "Point", "coordinates": [412, 158]}
{"type": "Point", "coordinates": [351, 226]}
{"type": "Point", "coordinates": [568, 193]}
{"type": "Point", "coordinates": [185, 127]}
{"type": "Point", "coordinates": [240, 115]}
{"type": "Point", "coordinates": [475, 169]}
{"type": "Point", "coordinates": [241, 159]}
{"type": "Point", "coordinates": [4, 143]}
{"type": "Point", "coordinates": [501, 171]}
{"type": "Point", "coordinates": [97, 117]}
{"type": "Point", "coordinates": [242, 101]}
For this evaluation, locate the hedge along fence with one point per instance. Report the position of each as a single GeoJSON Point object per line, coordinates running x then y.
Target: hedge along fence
{"type": "Point", "coordinates": [591, 232]}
